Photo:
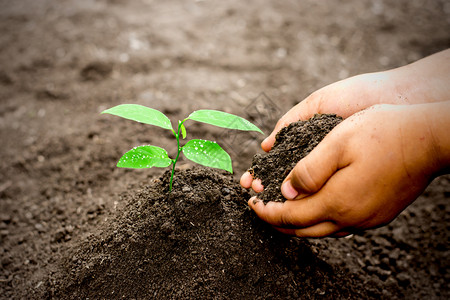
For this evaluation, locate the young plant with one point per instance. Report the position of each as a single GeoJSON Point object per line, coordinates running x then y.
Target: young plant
{"type": "Point", "coordinates": [207, 153]}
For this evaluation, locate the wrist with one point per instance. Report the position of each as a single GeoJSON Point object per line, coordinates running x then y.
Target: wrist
{"type": "Point", "coordinates": [438, 120]}
{"type": "Point", "coordinates": [424, 81]}
{"type": "Point", "coordinates": [424, 139]}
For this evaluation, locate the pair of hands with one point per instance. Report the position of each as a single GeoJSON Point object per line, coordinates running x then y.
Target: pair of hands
{"type": "Point", "coordinates": [373, 164]}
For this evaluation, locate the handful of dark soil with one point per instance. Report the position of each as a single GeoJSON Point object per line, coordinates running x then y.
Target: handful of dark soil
{"type": "Point", "coordinates": [292, 144]}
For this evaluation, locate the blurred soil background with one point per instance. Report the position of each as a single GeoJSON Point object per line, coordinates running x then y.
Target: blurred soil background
{"type": "Point", "coordinates": [63, 62]}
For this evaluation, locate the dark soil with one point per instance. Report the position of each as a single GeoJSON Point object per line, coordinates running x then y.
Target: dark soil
{"type": "Point", "coordinates": [292, 143]}
{"type": "Point", "coordinates": [201, 241]}
{"type": "Point", "coordinates": [63, 62]}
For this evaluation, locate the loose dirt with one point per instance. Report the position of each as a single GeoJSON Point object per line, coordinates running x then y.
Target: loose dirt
{"type": "Point", "coordinates": [292, 143]}
{"type": "Point", "coordinates": [201, 241]}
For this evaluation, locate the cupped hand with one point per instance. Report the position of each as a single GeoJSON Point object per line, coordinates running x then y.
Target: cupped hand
{"type": "Point", "coordinates": [363, 174]}
{"type": "Point", "coordinates": [343, 98]}
{"type": "Point", "coordinates": [425, 81]}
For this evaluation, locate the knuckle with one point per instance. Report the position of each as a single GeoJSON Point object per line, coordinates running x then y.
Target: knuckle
{"type": "Point", "coordinates": [303, 177]}
{"type": "Point", "coordinates": [287, 219]}
{"type": "Point", "coordinates": [353, 216]}
{"type": "Point", "coordinates": [344, 213]}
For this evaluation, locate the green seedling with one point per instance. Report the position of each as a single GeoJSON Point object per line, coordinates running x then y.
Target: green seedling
{"type": "Point", "coordinates": [207, 153]}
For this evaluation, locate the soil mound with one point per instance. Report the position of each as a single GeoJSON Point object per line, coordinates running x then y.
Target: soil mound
{"type": "Point", "coordinates": [200, 241]}
{"type": "Point", "coordinates": [292, 143]}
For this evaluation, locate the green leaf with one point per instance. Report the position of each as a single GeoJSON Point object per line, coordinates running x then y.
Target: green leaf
{"type": "Point", "coordinates": [145, 157]}
{"type": "Point", "coordinates": [222, 119]}
{"type": "Point", "coordinates": [208, 153]}
{"type": "Point", "coordinates": [141, 114]}
{"type": "Point", "coordinates": [183, 131]}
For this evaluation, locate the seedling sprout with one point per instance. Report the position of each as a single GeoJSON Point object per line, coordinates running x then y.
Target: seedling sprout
{"type": "Point", "coordinates": [204, 152]}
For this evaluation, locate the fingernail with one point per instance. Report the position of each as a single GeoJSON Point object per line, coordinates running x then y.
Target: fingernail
{"type": "Point", "coordinates": [254, 200]}
{"type": "Point", "coordinates": [288, 190]}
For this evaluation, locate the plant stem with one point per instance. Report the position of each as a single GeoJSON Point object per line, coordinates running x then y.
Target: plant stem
{"type": "Point", "coordinates": [174, 161]}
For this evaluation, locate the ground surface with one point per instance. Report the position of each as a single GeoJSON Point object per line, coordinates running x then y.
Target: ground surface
{"type": "Point", "coordinates": [62, 62]}
{"type": "Point", "coordinates": [201, 241]}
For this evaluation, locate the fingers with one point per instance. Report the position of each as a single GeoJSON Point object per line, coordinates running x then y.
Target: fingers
{"type": "Point", "coordinates": [257, 186]}
{"type": "Point", "coordinates": [302, 111]}
{"type": "Point", "coordinates": [287, 119]}
{"type": "Point", "coordinates": [311, 173]}
{"type": "Point", "coordinates": [340, 234]}
{"type": "Point", "coordinates": [246, 180]}
{"type": "Point", "coordinates": [312, 228]}
{"type": "Point", "coordinates": [318, 230]}
{"type": "Point", "coordinates": [299, 213]}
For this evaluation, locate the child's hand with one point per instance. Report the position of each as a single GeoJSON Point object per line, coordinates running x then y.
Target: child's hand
{"type": "Point", "coordinates": [364, 173]}
{"type": "Point", "coordinates": [425, 81]}
{"type": "Point", "coordinates": [343, 98]}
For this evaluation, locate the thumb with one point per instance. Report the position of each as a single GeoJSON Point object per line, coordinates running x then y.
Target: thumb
{"type": "Point", "coordinates": [313, 171]}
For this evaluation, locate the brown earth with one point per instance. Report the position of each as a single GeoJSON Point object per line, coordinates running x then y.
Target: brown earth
{"type": "Point", "coordinates": [201, 241]}
{"type": "Point", "coordinates": [292, 143]}
{"type": "Point", "coordinates": [62, 62]}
